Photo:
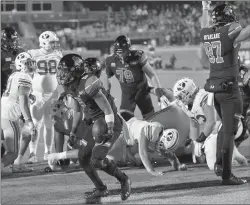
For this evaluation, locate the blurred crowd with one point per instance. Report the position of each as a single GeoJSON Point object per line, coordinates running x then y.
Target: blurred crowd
{"type": "Point", "coordinates": [174, 23]}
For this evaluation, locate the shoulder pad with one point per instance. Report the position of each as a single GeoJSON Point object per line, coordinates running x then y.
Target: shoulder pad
{"type": "Point", "coordinates": [234, 30]}
{"type": "Point", "coordinates": [24, 80]}
{"type": "Point", "coordinates": [90, 85]}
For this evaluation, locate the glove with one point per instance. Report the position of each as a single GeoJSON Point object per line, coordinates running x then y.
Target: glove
{"type": "Point", "coordinates": [29, 129]}
{"type": "Point", "coordinates": [206, 5]}
{"type": "Point", "coordinates": [32, 99]}
{"type": "Point", "coordinates": [71, 141]}
{"type": "Point", "coordinates": [108, 136]}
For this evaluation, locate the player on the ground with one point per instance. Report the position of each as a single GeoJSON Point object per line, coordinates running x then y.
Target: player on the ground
{"type": "Point", "coordinates": [45, 90]}
{"type": "Point", "coordinates": [9, 51]}
{"type": "Point", "coordinates": [221, 42]}
{"type": "Point", "coordinates": [206, 121]}
{"type": "Point", "coordinates": [14, 103]}
{"type": "Point", "coordinates": [152, 137]}
{"type": "Point", "coordinates": [131, 67]}
{"type": "Point", "coordinates": [81, 78]}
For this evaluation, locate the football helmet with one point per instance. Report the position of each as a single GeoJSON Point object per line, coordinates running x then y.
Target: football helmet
{"type": "Point", "coordinates": [48, 40]}
{"type": "Point", "coordinates": [223, 14]}
{"type": "Point", "coordinates": [69, 69]}
{"type": "Point", "coordinates": [169, 140]}
{"type": "Point", "coordinates": [122, 46]}
{"type": "Point", "coordinates": [92, 66]}
{"type": "Point", "coordinates": [184, 90]}
{"type": "Point", "coordinates": [9, 39]}
{"type": "Point", "coordinates": [24, 63]}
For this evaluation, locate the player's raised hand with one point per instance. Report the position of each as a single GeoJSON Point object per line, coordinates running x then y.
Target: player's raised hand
{"type": "Point", "coordinates": [206, 4]}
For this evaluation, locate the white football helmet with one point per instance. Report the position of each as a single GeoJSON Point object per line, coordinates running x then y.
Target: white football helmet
{"type": "Point", "coordinates": [184, 89]}
{"type": "Point", "coordinates": [24, 63]}
{"type": "Point", "coordinates": [48, 40]}
{"type": "Point", "coordinates": [169, 140]}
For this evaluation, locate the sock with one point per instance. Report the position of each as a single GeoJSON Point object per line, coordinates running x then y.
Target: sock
{"type": "Point", "coordinates": [47, 149]}
{"type": "Point", "coordinates": [94, 177]}
{"type": "Point", "coordinates": [18, 160]}
{"type": "Point", "coordinates": [110, 168]}
{"type": "Point", "coordinates": [33, 147]}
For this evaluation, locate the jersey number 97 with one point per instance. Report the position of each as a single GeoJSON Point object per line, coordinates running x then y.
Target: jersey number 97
{"type": "Point", "coordinates": [45, 67]}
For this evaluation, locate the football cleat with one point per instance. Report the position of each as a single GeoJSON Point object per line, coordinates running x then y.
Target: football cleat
{"type": "Point", "coordinates": [21, 168]}
{"type": "Point", "coordinates": [32, 159]}
{"type": "Point", "coordinates": [97, 193]}
{"type": "Point", "coordinates": [125, 188]}
{"type": "Point", "coordinates": [233, 180]}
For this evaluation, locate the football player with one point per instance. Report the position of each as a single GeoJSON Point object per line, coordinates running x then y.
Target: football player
{"type": "Point", "coordinates": [9, 51]}
{"type": "Point", "coordinates": [44, 89]}
{"type": "Point", "coordinates": [206, 121]}
{"type": "Point", "coordinates": [14, 103]}
{"type": "Point", "coordinates": [152, 137]}
{"type": "Point", "coordinates": [81, 78]}
{"type": "Point", "coordinates": [221, 42]}
{"type": "Point", "coordinates": [244, 84]}
{"type": "Point", "coordinates": [131, 67]}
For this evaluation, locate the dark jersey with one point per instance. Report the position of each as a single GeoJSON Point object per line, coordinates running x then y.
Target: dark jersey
{"type": "Point", "coordinates": [8, 60]}
{"type": "Point", "coordinates": [244, 83]}
{"type": "Point", "coordinates": [88, 87]}
{"type": "Point", "coordinates": [129, 73]}
{"type": "Point", "coordinates": [218, 45]}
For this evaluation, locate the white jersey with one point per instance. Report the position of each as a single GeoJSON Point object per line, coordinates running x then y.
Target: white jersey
{"type": "Point", "coordinates": [198, 106]}
{"type": "Point", "coordinates": [10, 108]}
{"type": "Point", "coordinates": [44, 80]}
{"type": "Point", "coordinates": [141, 128]}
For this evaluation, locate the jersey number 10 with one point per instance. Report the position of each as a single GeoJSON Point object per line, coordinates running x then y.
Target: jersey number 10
{"type": "Point", "coordinates": [209, 49]}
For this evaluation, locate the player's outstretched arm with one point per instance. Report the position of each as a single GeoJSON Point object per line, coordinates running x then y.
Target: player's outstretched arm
{"type": "Point", "coordinates": [143, 147]}
{"type": "Point", "coordinates": [107, 83]}
{"type": "Point", "coordinates": [149, 71]}
{"type": "Point", "coordinates": [244, 34]}
{"type": "Point", "coordinates": [205, 15]}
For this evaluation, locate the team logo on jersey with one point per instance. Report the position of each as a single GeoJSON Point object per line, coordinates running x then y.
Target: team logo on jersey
{"type": "Point", "coordinates": [8, 59]}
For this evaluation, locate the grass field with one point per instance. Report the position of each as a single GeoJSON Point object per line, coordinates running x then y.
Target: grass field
{"type": "Point", "coordinates": [197, 185]}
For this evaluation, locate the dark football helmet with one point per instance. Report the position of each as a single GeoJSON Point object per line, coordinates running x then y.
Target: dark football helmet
{"type": "Point", "coordinates": [69, 69]}
{"type": "Point", "coordinates": [223, 14]}
{"type": "Point", "coordinates": [92, 66]}
{"type": "Point", "coordinates": [122, 46]}
{"type": "Point", "coordinates": [9, 38]}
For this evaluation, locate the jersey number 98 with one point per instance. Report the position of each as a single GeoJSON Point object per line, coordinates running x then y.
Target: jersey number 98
{"type": "Point", "coordinates": [210, 52]}
{"type": "Point", "coordinates": [125, 76]}
{"type": "Point", "coordinates": [45, 67]}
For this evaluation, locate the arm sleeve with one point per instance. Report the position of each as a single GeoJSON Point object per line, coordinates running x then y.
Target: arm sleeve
{"type": "Point", "coordinates": [90, 86]}
{"type": "Point", "coordinates": [234, 30]}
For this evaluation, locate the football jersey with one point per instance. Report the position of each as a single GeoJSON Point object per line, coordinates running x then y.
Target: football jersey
{"type": "Point", "coordinates": [44, 80]}
{"type": "Point", "coordinates": [88, 87]}
{"type": "Point", "coordinates": [141, 128]}
{"type": "Point", "coordinates": [10, 108]}
{"type": "Point", "coordinates": [244, 74]}
{"type": "Point", "coordinates": [218, 45]}
{"type": "Point", "coordinates": [128, 71]}
{"type": "Point", "coordinates": [15, 80]}
{"type": "Point", "coordinates": [200, 101]}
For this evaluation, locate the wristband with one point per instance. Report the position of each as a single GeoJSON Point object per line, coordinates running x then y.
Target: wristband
{"type": "Point", "coordinates": [109, 118]}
